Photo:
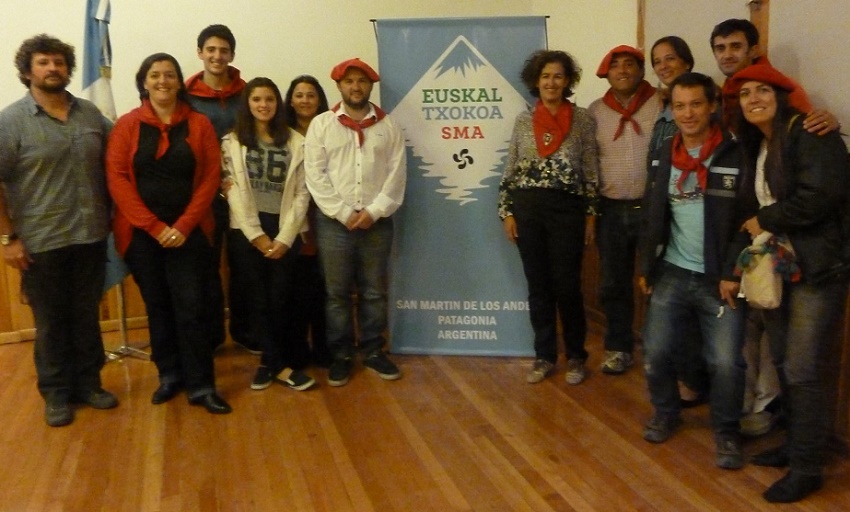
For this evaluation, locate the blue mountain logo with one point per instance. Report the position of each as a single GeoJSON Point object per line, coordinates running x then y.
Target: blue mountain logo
{"type": "Point", "coordinates": [461, 58]}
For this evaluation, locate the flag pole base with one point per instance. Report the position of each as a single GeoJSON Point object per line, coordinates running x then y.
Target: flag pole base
{"type": "Point", "coordinates": [125, 350]}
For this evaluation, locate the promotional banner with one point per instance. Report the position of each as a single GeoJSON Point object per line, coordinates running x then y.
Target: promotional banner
{"type": "Point", "coordinates": [457, 285]}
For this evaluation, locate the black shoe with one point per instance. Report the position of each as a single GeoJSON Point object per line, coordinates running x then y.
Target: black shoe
{"type": "Point", "coordinates": [379, 363]}
{"type": "Point", "coordinates": [294, 379]}
{"type": "Point", "coordinates": [659, 428]}
{"type": "Point", "coordinates": [340, 371]}
{"type": "Point", "coordinates": [262, 379]}
{"type": "Point", "coordinates": [213, 403]}
{"type": "Point", "coordinates": [729, 454]}
{"type": "Point", "coordinates": [793, 487]}
{"type": "Point", "coordinates": [774, 458]}
{"type": "Point", "coordinates": [97, 398]}
{"type": "Point", "coordinates": [165, 392]}
{"type": "Point", "coordinates": [58, 414]}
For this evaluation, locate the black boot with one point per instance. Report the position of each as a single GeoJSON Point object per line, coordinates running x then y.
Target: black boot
{"type": "Point", "coordinates": [793, 487]}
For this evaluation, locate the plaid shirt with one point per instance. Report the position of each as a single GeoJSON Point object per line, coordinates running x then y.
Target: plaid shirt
{"type": "Point", "coordinates": [622, 162]}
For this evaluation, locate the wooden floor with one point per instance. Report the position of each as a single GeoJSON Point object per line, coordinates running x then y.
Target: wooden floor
{"type": "Point", "coordinates": [455, 433]}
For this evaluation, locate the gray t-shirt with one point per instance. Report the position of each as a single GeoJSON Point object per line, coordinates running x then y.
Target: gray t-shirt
{"type": "Point", "coordinates": [267, 168]}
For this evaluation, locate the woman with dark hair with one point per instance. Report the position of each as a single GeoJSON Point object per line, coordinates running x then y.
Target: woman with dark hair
{"type": "Point", "coordinates": [162, 166]}
{"type": "Point", "coordinates": [268, 205]}
{"type": "Point", "coordinates": [671, 56]}
{"type": "Point", "coordinates": [547, 195]}
{"type": "Point", "coordinates": [305, 99]}
{"type": "Point", "coordinates": [801, 185]}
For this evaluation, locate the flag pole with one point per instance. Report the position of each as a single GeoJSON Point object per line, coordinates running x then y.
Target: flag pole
{"type": "Point", "coordinates": [97, 85]}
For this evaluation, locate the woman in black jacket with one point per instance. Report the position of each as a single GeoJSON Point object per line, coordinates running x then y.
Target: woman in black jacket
{"type": "Point", "coordinates": [801, 185]}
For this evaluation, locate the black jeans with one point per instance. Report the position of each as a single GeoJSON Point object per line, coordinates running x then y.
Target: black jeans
{"type": "Point", "coordinates": [265, 287]}
{"type": "Point", "coordinates": [174, 284]}
{"type": "Point", "coordinates": [64, 287]}
{"type": "Point", "coordinates": [616, 237]}
{"type": "Point", "coordinates": [550, 238]}
{"type": "Point", "coordinates": [215, 295]}
{"type": "Point", "coordinates": [308, 302]}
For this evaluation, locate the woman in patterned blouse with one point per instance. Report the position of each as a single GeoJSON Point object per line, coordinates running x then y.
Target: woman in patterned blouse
{"type": "Point", "coordinates": [547, 199]}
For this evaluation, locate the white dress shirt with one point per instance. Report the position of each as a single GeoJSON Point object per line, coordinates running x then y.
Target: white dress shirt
{"type": "Point", "coordinates": [344, 177]}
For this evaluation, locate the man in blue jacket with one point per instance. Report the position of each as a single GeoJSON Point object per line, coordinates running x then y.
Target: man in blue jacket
{"type": "Point", "coordinates": [690, 239]}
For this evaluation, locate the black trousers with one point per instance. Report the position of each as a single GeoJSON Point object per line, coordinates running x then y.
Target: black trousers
{"type": "Point", "coordinates": [174, 284]}
{"type": "Point", "coordinates": [550, 230]}
{"type": "Point", "coordinates": [265, 287]}
{"type": "Point", "coordinates": [64, 287]}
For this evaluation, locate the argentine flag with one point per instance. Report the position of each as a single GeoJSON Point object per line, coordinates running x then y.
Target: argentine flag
{"type": "Point", "coordinates": [97, 61]}
{"type": "Point", "coordinates": [97, 87]}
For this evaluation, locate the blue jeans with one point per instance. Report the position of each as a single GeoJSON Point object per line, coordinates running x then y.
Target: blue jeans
{"type": "Point", "coordinates": [616, 237]}
{"type": "Point", "coordinates": [64, 287]}
{"type": "Point", "coordinates": [799, 332]}
{"type": "Point", "coordinates": [355, 261]}
{"type": "Point", "coordinates": [680, 296]}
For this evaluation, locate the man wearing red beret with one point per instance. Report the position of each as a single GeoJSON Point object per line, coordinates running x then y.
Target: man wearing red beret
{"type": "Point", "coordinates": [354, 160]}
{"type": "Point", "coordinates": [624, 120]}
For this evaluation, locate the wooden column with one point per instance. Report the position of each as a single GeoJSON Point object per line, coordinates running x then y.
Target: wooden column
{"type": "Point", "coordinates": [641, 25]}
{"type": "Point", "coordinates": [760, 16]}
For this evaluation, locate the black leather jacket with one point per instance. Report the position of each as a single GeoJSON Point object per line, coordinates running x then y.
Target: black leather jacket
{"type": "Point", "coordinates": [815, 213]}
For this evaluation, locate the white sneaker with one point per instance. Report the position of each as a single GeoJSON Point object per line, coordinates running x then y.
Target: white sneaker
{"type": "Point", "coordinates": [539, 371]}
{"type": "Point", "coordinates": [576, 372]}
{"type": "Point", "coordinates": [616, 362]}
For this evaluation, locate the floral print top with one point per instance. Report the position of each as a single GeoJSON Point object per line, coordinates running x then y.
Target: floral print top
{"type": "Point", "coordinates": [573, 168]}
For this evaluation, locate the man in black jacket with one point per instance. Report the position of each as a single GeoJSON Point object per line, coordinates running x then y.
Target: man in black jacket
{"type": "Point", "coordinates": [690, 239]}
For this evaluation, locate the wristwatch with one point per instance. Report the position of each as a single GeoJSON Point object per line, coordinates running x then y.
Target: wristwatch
{"type": "Point", "coordinates": [6, 240]}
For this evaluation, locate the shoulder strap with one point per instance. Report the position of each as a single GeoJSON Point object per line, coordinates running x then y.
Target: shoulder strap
{"type": "Point", "coordinates": [791, 121]}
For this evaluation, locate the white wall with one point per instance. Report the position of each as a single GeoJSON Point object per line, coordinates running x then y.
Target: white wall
{"type": "Point", "coordinates": [808, 40]}
{"type": "Point", "coordinates": [284, 38]}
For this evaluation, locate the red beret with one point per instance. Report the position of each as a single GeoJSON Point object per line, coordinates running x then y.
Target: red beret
{"type": "Point", "coordinates": [339, 70]}
{"type": "Point", "coordinates": [764, 73]}
{"type": "Point", "coordinates": [602, 72]}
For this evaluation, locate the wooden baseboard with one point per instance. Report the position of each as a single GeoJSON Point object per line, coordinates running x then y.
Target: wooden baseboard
{"type": "Point", "coordinates": [140, 322]}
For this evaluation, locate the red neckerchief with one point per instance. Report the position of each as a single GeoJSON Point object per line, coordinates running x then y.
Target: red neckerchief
{"type": "Point", "coordinates": [684, 161]}
{"type": "Point", "coordinates": [148, 116]}
{"type": "Point", "coordinates": [195, 86]}
{"type": "Point", "coordinates": [550, 131]}
{"type": "Point", "coordinates": [358, 127]}
{"type": "Point", "coordinates": [644, 92]}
